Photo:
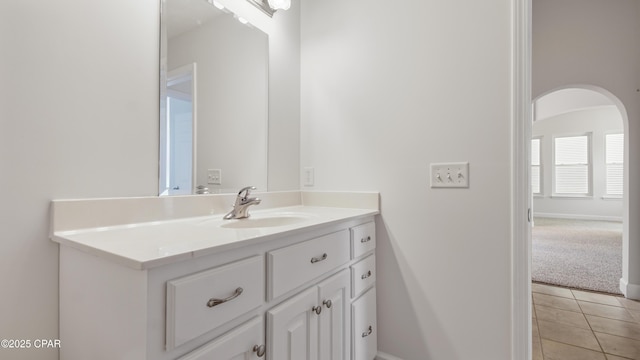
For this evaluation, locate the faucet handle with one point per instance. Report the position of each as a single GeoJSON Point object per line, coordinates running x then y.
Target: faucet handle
{"type": "Point", "coordinates": [246, 191]}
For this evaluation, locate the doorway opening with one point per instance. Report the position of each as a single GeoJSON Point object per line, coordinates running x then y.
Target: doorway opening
{"type": "Point", "coordinates": [577, 170]}
{"type": "Point", "coordinates": [178, 145]}
{"type": "Point", "coordinates": [579, 210]}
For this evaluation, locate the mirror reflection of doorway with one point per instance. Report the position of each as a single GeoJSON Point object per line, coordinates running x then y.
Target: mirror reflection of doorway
{"type": "Point", "coordinates": [179, 145]}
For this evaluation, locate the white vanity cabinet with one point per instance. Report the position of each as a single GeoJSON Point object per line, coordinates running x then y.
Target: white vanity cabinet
{"type": "Point", "coordinates": [306, 294]}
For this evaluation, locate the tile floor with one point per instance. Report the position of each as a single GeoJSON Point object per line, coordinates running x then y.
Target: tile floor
{"type": "Point", "coordinates": [571, 324]}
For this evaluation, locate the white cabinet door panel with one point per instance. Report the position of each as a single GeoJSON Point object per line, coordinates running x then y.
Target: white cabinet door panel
{"type": "Point", "coordinates": [292, 328]}
{"type": "Point", "coordinates": [364, 329]}
{"type": "Point", "coordinates": [335, 317]}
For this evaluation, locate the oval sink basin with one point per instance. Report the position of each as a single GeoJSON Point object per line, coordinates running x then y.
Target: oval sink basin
{"type": "Point", "coordinates": [267, 221]}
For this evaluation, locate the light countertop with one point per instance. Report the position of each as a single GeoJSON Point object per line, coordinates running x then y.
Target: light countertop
{"type": "Point", "coordinates": [149, 244]}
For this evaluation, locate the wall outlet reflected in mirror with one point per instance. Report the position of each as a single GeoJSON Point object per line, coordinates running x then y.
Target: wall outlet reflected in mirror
{"type": "Point", "coordinates": [214, 176]}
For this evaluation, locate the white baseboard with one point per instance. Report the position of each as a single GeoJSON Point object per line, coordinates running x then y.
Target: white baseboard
{"type": "Point", "coordinates": [630, 291]}
{"type": "Point", "coordinates": [383, 356]}
{"type": "Point", "coordinates": [578, 216]}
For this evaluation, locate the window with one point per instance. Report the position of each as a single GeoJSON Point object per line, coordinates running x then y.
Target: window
{"type": "Point", "coordinates": [536, 167]}
{"type": "Point", "coordinates": [572, 165]}
{"type": "Point", "coordinates": [614, 157]}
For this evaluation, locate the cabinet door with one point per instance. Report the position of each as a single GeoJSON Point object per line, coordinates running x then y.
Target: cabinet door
{"type": "Point", "coordinates": [242, 343]}
{"type": "Point", "coordinates": [335, 317]}
{"type": "Point", "coordinates": [364, 326]}
{"type": "Point", "coordinates": [292, 328]}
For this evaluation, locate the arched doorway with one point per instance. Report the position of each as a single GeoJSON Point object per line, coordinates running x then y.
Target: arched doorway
{"type": "Point", "coordinates": [573, 126]}
{"type": "Point", "coordinates": [598, 200]}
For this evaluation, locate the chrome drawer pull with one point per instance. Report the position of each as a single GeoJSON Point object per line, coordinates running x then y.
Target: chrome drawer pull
{"type": "Point", "coordinates": [317, 309]}
{"type": "Point", "coordinates": [368, 274]}
{"type": "Point", "coordinates": [316, 259]}
{"type": "Point", "coordinates": [259, 350]}
{"type": "Point", "coordinates": [367, 333]}
{"type": "Point", "coordinates": [364, 240]}
{"type": "Point", "coordinates": [213, 301]}
{"type": "Point", "coordinates": [327, 303]}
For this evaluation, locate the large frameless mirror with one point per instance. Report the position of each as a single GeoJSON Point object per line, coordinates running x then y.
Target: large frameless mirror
{"type": "Point", "coordinates": [213, 98]}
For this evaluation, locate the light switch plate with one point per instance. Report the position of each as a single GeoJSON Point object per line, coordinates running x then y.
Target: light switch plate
{"type": "Point", "coordinates": [450, 175]}
{"type": "Point", "coordinates": [308, 176]}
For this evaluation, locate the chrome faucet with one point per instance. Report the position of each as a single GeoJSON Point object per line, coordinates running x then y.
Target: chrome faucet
{"type": "Point", "coordinates": [243, 201]}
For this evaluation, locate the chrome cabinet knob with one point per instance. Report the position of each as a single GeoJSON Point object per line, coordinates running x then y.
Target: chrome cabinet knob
{"type": "Point", "coordinates": [368, 332]}
{"type": "Point", "coordinates": [259, 350]}
{"type": "Point", "coordinates": [327, 303]}
{"type": "Point", "coordinates": [368, 274]}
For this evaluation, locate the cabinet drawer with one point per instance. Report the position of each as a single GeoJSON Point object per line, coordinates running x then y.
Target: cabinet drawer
{"type": "Point", "coordinates": [364, 329]}
{"type": "Point", "coordinates": [201, 302]}
{"type": "Point", "coordinates": [363, 275]}
{"type": "Point", "coordinates": [295, 265]}
{"type": "Point", "coordinates": [363, 239]}
{"type": "Point", "coordinates": [242, 342]}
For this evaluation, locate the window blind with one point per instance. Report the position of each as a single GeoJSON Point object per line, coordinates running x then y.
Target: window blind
{"type": "Point", "coordinates": [536, 173]}
{"type": "Point", "coordinates": [572, 166]}
{"type": "Point", "coordinates": [614, 155]}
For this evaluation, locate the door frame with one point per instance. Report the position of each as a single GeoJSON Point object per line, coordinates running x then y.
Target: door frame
{"type": "Point", "coordinates": [521, 123]}
{"type": "Point", "coordinates": [178, 75]}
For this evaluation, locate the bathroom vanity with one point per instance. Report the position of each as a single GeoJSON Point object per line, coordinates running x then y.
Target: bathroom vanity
{"type": "Point", "coordinates": [291, 282]}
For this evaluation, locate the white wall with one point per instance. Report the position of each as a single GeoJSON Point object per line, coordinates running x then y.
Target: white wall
{"type": "Point", "coordinates": [386, 90]}
{"type": "Point", "coordinates": [284, 100]}
{"type": "Point", "coordinates": [284, 90]}
{"type": "Point", "coordinates": [79, 114]}
{"type": "Point", "coordinates": [597, 121]}
{"type": "Point", "coordinates": [595, 42]}
{"type": "Point", "coordinates": [232, 100]}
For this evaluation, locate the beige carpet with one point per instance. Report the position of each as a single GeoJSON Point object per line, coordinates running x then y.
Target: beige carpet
{"type": "Point", "coordinates": [577, 253]}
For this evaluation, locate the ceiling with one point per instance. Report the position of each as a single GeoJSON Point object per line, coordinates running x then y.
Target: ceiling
{"type": "Point", "coordinates": [183, 15]}
{"type": "Point", "coordinates": [566, 100]}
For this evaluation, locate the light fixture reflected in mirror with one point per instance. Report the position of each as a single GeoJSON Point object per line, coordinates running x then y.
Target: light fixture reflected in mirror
{"type": "Point", "coordinates": [218, 5]}
{"type": "Point", "coordinates": [242, 20]}
{"type": "Point", "coordinates": [269, 7]}
{"type": "Point", "coordinates": [280, 4]}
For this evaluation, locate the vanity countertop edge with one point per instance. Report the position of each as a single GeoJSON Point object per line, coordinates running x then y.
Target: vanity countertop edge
{"type": "Point", "coordinates": [148, 244]}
